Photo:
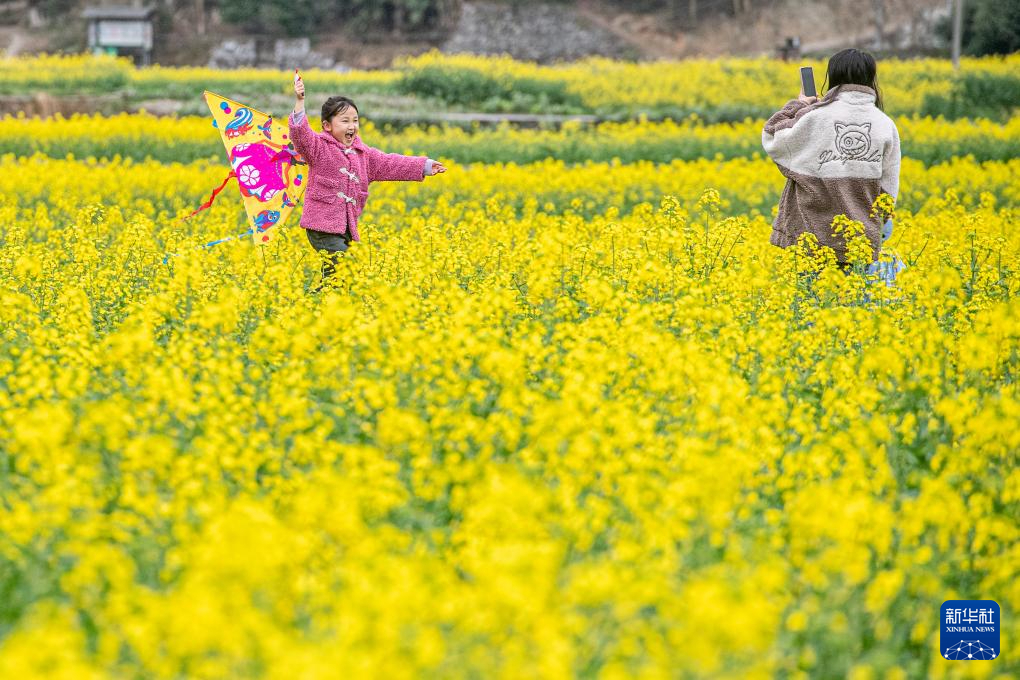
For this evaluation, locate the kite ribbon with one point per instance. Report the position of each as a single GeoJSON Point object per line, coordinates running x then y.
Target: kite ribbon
{"type": "Point", "coordinates": [212, 197]}
{"type": "Point", "coordinates": [204, 206]}
{"type": "Point", "coordinates": [166, 258]}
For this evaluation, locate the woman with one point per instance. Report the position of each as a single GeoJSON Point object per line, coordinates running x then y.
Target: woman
{"type": "Point", "coordinates": [838, 154]}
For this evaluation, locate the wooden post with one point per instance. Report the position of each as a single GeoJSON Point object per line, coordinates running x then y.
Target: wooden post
{"type": "Point", "coordinates": [200, 16]}
{"type": "Point", "coordinates": [879, 6]}
{"type": "Point", "coordinates": [957, 32]}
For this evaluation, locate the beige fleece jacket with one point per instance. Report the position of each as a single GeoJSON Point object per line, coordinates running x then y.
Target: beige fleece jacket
{"type": "Point", "coordinates": [838, 155]}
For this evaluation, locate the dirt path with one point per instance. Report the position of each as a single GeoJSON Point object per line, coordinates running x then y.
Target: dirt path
{"type": "Point", "coordinates": [650, 44]}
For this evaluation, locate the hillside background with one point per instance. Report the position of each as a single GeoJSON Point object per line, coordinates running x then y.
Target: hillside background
{"type": "Point", "coordinates": [360, 34]}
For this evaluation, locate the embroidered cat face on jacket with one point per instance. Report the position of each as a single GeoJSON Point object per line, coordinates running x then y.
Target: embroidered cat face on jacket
{"type": "Point", "coordinates": [853, 141]}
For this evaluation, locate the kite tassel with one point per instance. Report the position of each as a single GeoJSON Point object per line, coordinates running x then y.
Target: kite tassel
{"type": "Point", "coordinates": [212, 197]}
{"type": "Point", "coordinates": [205, 206]}
{"type": "Point", "coordinates": [210, 244]}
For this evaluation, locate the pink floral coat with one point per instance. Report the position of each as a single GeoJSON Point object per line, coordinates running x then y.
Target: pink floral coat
{"type": "Point", "coordinates": [338, 177]}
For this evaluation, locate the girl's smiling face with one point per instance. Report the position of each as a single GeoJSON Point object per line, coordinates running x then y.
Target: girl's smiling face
{"type": "Point", "coordinates": [343, 127]}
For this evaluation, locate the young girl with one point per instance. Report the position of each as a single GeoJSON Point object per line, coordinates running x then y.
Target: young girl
{"type": "Point", "coordinates": [838, 155]}
{"type": "Point", "coordinates": [340, 168]}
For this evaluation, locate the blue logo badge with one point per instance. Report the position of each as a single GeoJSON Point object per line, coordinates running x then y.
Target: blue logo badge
{"type": "Point", "coordinates": [970, 630]}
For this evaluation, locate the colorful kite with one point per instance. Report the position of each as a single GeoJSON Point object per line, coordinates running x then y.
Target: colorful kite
{"type": "Point", "coordinates": [270, 173]}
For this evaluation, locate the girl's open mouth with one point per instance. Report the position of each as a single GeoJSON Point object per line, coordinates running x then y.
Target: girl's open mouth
{"type": "Point", "coordinates": [349, 137]}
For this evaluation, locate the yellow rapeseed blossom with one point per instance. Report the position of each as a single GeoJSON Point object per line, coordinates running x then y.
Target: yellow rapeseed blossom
{"type": "Point", "coordinates": [141, 136]}
{"type": "Point", "coordinates": [708, 85]}
{"type": "Point", "coordinates": [555, 420]}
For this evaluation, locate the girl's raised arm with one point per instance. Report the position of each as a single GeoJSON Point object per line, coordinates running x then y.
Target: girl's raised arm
{"type": "Point", "coordinates": [305, 140]}
{"type": "Point", "coordinates": [779, 131]}
{"type": "Point", "coordinates": [393, 167]}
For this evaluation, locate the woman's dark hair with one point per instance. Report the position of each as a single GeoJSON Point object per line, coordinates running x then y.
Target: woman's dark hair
{"type": "Point", "coordinates": [853, 67]}
{"type": "Point", "coordinates": [335, 106]}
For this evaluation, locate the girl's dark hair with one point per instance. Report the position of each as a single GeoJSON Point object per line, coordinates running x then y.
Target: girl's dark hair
{"type": "Point", "coordinates": [853, 67]}
{"type": "Point", "coordinates": [335, 106]}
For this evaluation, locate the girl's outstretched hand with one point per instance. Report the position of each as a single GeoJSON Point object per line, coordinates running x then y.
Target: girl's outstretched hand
{"type": "Point", "coordinates": [438, 168]}
{"type": "Point", "coordinates": [299, 86]}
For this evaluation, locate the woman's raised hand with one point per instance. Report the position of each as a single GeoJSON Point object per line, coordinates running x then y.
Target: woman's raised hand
{"type": "Point", "coordinates": [805, 99]}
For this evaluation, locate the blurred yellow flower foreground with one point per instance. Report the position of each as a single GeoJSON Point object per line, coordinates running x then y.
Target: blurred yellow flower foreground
{"type": "Point", "coordinates": [556, 422]}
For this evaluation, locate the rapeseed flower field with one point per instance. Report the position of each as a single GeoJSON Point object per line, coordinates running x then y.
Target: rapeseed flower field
{"type": "Point", "coordinates": [141, 136]}
{"type": "Point", "coordinates": [561, 418]}
{"type": "Point", "coordinates": [720, 89]}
